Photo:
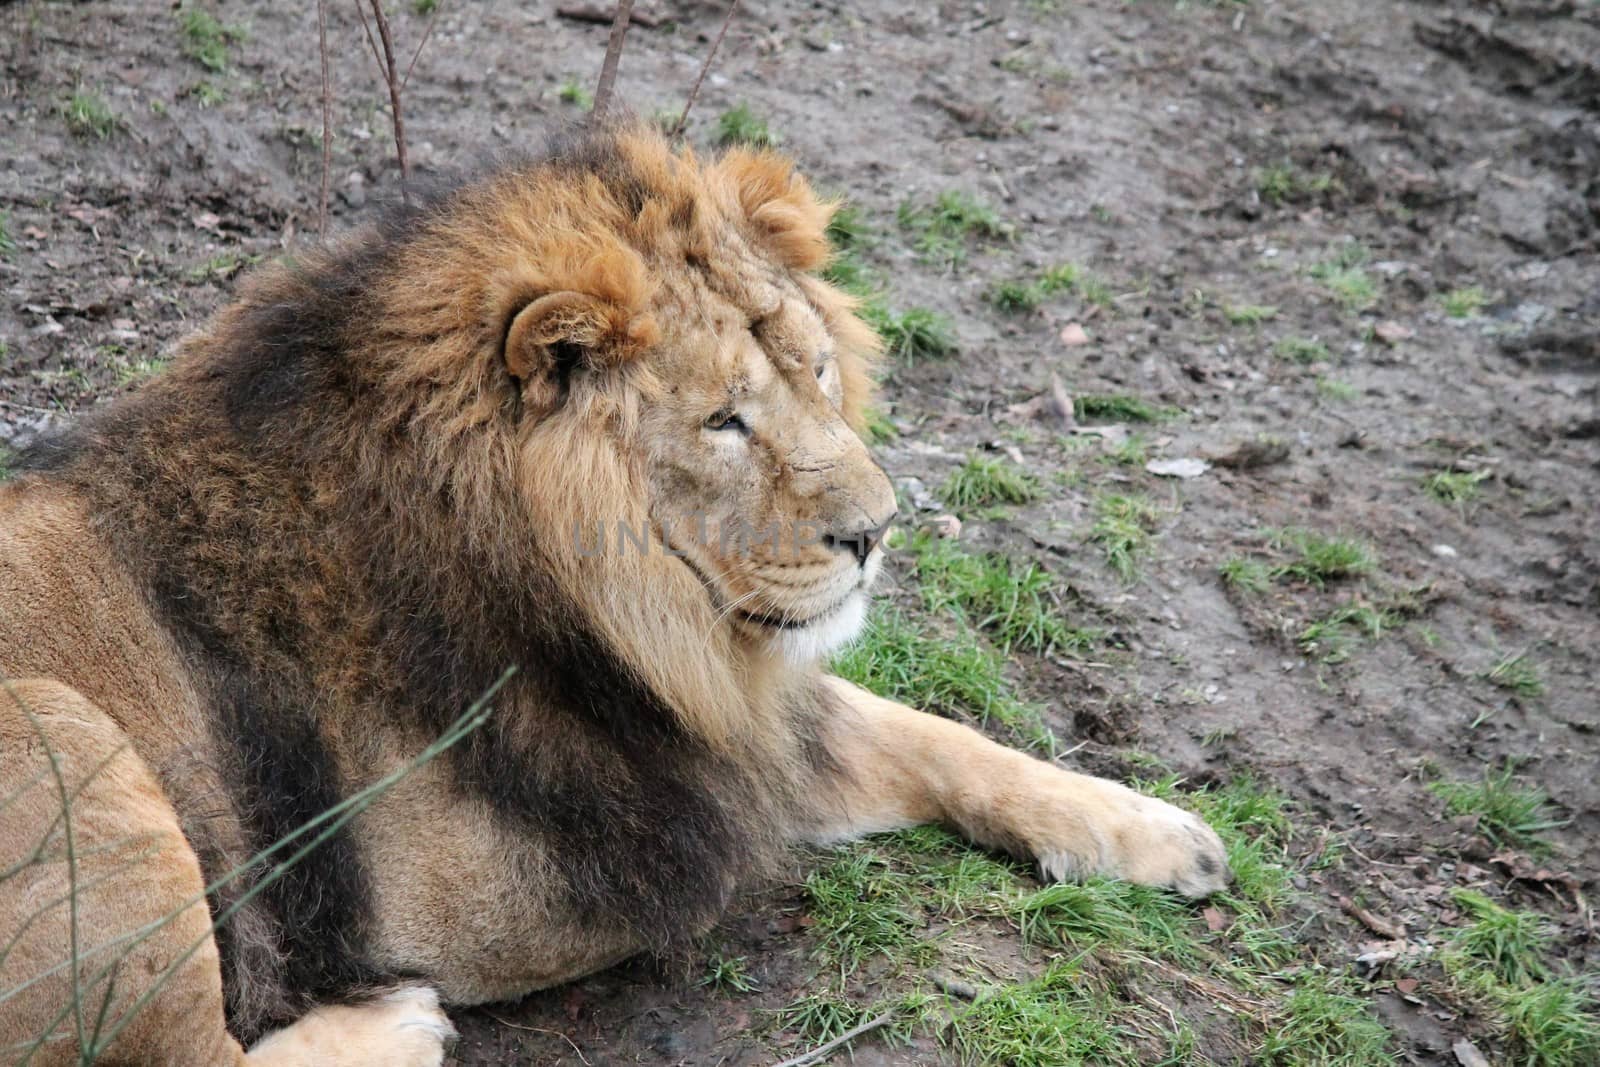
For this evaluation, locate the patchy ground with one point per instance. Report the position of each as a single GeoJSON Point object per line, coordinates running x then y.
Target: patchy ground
{"type": "Point", "coordinates": [1347, 253]}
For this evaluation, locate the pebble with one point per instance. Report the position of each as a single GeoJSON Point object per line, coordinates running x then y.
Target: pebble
{"type": "Point", "coordinates": [1444, 552]}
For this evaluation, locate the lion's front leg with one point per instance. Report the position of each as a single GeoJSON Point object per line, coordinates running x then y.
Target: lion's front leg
{"type": "Point", "coordinates": [900, 767]}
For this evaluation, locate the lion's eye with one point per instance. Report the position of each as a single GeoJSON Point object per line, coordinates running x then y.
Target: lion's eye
{"type": "Point", "coordinates": [726, 420]}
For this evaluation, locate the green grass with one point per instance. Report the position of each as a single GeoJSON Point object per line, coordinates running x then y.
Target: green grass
{"type": "Point", "coordinates": [573, 92]}
{"type": "Point", "coordinates": [424, 8]}
{"type": "Point", "coordinates": [1249, 314]}
{"type": "Point", "coordinates": [940, 230]}
{"type": "Point", "coordinates": [985, 481]}
{"type": "Point", "coordinates": [1508, 812]}
{"type": "Point", "coordinates": [729, 975]}
{"type": "Point", "coordinates": [885, 909]}
{"type": "Point", "coordinates": [205, 40]}
{"type": "Point", "coordinates": [1498, 962]}
{"type": "Point", "coordinates": [905, 660]}
{"type": "Point", "coordinates": [1282, 183]}
{"type": "Point", "coordinates": [1464, 303]}
{"type": "Point", "coordinates": [1344, 276]}
{"type": "Point", "coordinates": [1318, 559]}
{"type": "Point", "coordinates": [740, 126]}
{"type": "Point", "coordinates": [1246, 575]}
{"type": "Point", "coordinates": [1517, 674]}
{"type": "Point", "coordinates": [860, 907]}
{"type": "Point", "coordinates": [1302, 350]}
{"type": "Point", "coordinates": [1014, 600]}
{"type": "Point", "coordinates": [1133, 452]}
{"type": "Point", "coordinates": [1511, 944]}
{"type": "Point", "coordinates": [1019, 296]}
{"type": "Point", "coordinates": [1457, 488]}
{"type": "Point", "coordinates": [911, 335]}
{"type": "Point", "coordinates": [1328, 638]}
{"type": "Point", "coordinates": [1323, 1022]}
{"type": "Point", "coordinates": [88, 116]}
{"type": "Point", "coordinates": [1337, 391]}
{"type": "Point", "coordinates": [7, 243]}
{"type": "Point", "coordinates": [1122, 529]}
{"type": "Point", "coordinates": [1057, 1019]}
{"type": "Point", "coordinates": [848, 230]}
{"type": "Point", "coordinates": [820, 1017]}
{"type": "Point", "coordinates": [1118, 408]}
{"type": "Point", "coordinates": [207, 94]}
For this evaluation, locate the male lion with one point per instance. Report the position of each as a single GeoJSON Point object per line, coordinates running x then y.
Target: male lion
{"type": "Point", "coordinates": [275, 574]}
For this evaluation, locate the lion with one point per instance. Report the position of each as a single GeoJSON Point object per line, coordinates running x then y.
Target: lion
{"type": "Point", "coordinates": [583, 433]}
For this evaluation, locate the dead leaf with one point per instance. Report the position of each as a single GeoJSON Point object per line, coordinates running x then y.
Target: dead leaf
{"type": "Point", "coordinates": [1181, 467]}
{"type": "Point", "coordinates": [946, 526]}
{"type": "Point", "coordinates": [1248, 455]}
{"type": "Point", "coordinates": [1467, 1054]}
{"type": "Point", "coordinates": [1407, 986]}
{"type": "Point", "coordinates": [1392, 333]}
{"type": "Point", "coordinates": [1073, 334]}
{"type": "Point", "coordinates": [1376, 923]}
{"type": "Point", "coordinates": [1216, 922]}
{"type": "Point", "coordinates": [208, 221]}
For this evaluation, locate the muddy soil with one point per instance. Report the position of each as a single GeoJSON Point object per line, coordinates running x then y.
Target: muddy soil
{"type": "Point", "coordinates": [1458, 144]}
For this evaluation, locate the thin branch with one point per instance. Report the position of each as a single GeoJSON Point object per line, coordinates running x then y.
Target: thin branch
{"type": "Point", "coordinates": [426, 33]}
{"type": "Point", "coordinates": [822, 1051]}
{"type": "Point", "coordinates": [391, 77]}
{"type": "Point", "coordinates": [608, 69]}
{"type": "Point", "coordinates": [327, 121]}
{"type": "Point", "coordinates": [694, 93]}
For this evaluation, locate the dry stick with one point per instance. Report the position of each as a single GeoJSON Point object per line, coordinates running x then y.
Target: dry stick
{"type": "Point", "coordinates": [845, 1038]}
{"type": "Point", "coordinates": [392, 78]}
{"type": "Point", "coordinates": [327, 121]}
{"type": "Point", "coordinates": [608, 69]}
{"type": "Point", "coordinates": [426, 33]}
{"type": "Point", "coordinates": [683, 119]}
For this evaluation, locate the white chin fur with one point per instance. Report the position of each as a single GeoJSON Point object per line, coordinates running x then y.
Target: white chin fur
{"type": "Point", "coordinates": [804, 645]}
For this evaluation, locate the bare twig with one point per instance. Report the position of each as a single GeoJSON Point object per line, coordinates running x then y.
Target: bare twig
{"type": "Point", "coordinates": [327, 121]}
{"type": "Point", "coordinates": [683, 119]}
{"type": "Point", "coordinates": [426, 33]}
{"type": "Point", "coordinates": [821, 1051]}
{"type": "Point", "coordinates": [608, 69]}
{"type": "Point", "coordinates": [539, 1030]}
{"type": "Point", "coordinates": [391, 77]}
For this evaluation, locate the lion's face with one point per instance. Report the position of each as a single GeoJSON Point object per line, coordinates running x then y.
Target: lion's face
{"type": "Point", "coordinates": [677, 304]}
{"type": "Point", "coordinates": [755, 476]}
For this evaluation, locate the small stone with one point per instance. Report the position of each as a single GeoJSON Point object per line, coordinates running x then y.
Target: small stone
{"type": "Point", "coordinates": [1392, 333]}
{"type": "Point", "coordinates": [946, 526]}
{"type": "Point", "coordinates": [1181, 467]}
{"type": "Point", "coordinates": [1444, 551]}
{"type": "Point", "coordinates": [1073, 335]}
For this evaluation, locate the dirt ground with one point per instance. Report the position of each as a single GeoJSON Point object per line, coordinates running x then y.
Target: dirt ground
{"type": "Point", "coordinates": [1199, 158]}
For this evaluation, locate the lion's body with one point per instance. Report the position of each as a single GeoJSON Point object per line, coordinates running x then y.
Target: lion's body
{"type": "Point", "coordinates": [283, 569]}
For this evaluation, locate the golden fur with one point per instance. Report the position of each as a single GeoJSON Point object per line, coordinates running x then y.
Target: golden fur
{"type": "Point", "coordinates": [572, 418]}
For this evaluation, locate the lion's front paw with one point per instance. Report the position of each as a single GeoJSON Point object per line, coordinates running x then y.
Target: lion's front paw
{"type": "Point", "coordinates": [402, 1028]}
{"type": "Point", "coordinates": [1105, 828]}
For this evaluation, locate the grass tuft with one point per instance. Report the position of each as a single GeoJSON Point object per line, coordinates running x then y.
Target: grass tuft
{"type": "Point", "coordinates": [573, 92]}
{"type": "Point", "coordinates": [88, 116]}
{"type": "Point", "coordinates": [1058, 1018]}
{"type": "Point", "coordinates": [205, 40]}
{"type": "Point", "coordinates": [1118, 408]}
{"type": "Point", "coordinates": [984, 481]}
{"type": "Point", "coordinates": [1249, 314]}
{"type": "Point", "coordinates": [729, 975]}
{"type": "Point", "coordinates": [1344, 275]}
{"type": "Point", "coordinates": [1012, 599]}
{"type": "Point", "coordinates": [1457, 488]}
{"type": "Point", "coordinates": [1318, 559]}
{"type": "Point", "coordinates": [1302, 350]}
{"type": "Point", "coordinates": [1122, 529]}
{"type": "Point", "coordinates": [1464, 303]}
{"type": "Point", "coordinates": [940, 231]}
{"type": "Point", "coordinates": [740, 126]}
{"type": "Point", "coordinates": [1518, 674]}
{"type": "Point", "coordinates": [911, 335]}
{"type": "Point", "coordinates": [1508, 813]}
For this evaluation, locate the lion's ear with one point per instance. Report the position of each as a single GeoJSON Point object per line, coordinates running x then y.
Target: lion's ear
{"type": "Point", "coordinates": [551, 337]}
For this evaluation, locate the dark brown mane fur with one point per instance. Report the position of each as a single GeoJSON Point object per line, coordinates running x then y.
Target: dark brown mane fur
{"type": "Point", "coordinates": [326, 503]}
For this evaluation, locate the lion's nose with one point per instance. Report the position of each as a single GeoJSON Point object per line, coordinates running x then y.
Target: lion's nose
{"type": "Point", "coordinates": [861, 542]}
